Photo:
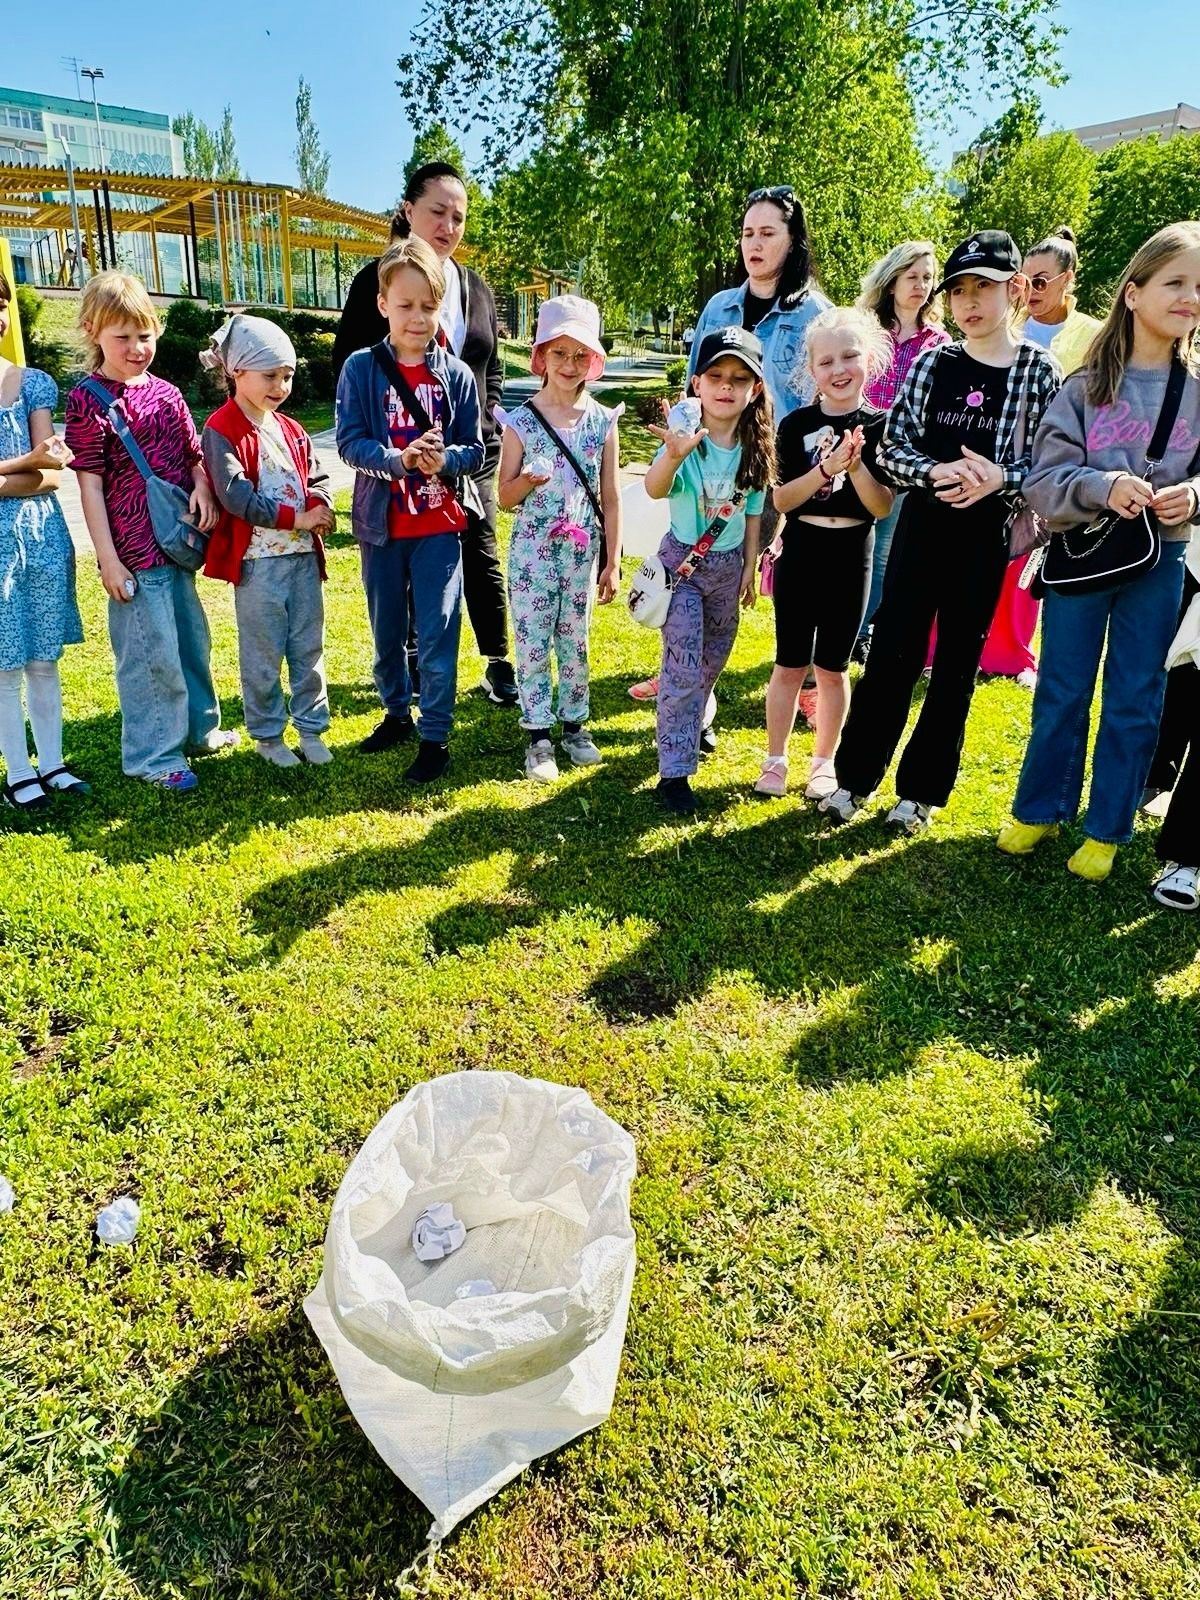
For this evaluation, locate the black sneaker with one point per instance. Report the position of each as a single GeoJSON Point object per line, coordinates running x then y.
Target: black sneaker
{"type": "Point", "coordinates": [431, 763]}
{"type": "Point", "coordinates": [500, 684]}
{"type": "Point", "coordinates": [675, 795]}
{"type": "Point", "coordinates": [708, 740]}
{"type": "Point", "coordinates": [391, 731]}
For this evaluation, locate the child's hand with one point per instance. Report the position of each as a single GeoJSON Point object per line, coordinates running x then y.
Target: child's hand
{"type": "Point", "coordinates": [203, 507]}
{"type": "Point", "coordinates": [1129, 495]}
{"type": "Point", "coordinates": [1175, 504]}
{"type": "Point", "coordinates": [535, 479]}
{"type": "Point", "coordinates": [421, 451]}
{"type": "Point", "coordinates": [609, 583]}
{"type": "Point", "coordinates": [678, 446]}
{"type": "Point", "coordinates": [841, 457]}
{"type": "Point", "coordinates": [857, 439]}
{"type": "Point", "coordinates": [114, 575]}
{"type": "Point", "coordinates": [748, 594]}
{"type": "Point", "coordinates": [49, 455]}
{"type": "Point", "coordinates": [317, 519]}
{"type": "Point", "coordinates": [983, 477]}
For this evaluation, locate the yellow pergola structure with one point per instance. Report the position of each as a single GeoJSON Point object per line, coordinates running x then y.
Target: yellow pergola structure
{"type": "Point", "coordinates": [252, 232]}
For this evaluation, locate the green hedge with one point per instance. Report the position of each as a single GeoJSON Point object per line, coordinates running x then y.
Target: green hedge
{"type": "Point", "coordinates": [186, 332]}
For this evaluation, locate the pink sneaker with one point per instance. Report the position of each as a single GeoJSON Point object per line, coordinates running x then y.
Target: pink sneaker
{"type": "Point", "coordinates": [772, 780]}
{"type": "Point", "coordinates": [806, 702]}
{"type": "Point", "coordinates": [646, 690]}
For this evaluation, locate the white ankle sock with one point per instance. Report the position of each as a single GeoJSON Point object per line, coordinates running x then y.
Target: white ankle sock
{"type": "Point", "coordinates": [14, 747]}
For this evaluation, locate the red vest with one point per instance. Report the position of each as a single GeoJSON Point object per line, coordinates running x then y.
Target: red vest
{"type": "Point", "coordinates": [230, 539]}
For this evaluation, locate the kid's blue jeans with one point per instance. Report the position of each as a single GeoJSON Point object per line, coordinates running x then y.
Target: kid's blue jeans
{"type": "Point", "coordinates": [432, 564]}
{"type": "Point", "coordinates": [1138, 620]}
{"type": "Point", "coordinates": [161, 647]}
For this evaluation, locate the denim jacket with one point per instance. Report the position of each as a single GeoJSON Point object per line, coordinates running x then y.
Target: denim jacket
{"type": "Point", "coordinates": [363, 441]}
{"type": "Point", "coordinates": [785, 365]}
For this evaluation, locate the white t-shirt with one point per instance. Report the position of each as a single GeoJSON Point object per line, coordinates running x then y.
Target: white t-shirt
{"type": "Point", "coordinates": [279, 481]}
{"type": "Point", "coordinates": [1040, 333]}
{"type": "Point", "coordinates": [454, 324]}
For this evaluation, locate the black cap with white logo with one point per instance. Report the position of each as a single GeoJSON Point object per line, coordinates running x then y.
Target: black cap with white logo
{"type": "Point", "coordinates": [731, 341]}
{"type": "Point", "coordinates": [991, 253]}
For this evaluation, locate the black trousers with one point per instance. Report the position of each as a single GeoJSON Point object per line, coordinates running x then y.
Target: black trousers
{"type": "Point", "coordinates": [1180, 716]}
{"type": "Point", "coordinates": [1179, 837]}
{"type": "Point", "coordinates": [483, 578]}
{"type": "Point", "coordinates": [948, 565]}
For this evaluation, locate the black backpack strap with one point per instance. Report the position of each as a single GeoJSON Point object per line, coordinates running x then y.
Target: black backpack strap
{"type": "Point", "coordinates": [386, 361]}
{"type": "Point", "coordinates": [1166, 417]}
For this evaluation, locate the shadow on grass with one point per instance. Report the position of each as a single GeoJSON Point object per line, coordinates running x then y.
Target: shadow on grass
{"type": "Point", "coordinates": [254, 1479]}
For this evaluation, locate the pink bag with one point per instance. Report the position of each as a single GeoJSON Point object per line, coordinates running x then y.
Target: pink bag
{"type": "Point", "coordinates": [766, 572]}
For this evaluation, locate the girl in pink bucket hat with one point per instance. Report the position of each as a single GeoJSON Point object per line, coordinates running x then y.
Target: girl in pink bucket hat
{"type": "Point", "coordinates": [558, 472]}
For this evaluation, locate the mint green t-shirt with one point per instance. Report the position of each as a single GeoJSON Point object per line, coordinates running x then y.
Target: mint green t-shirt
{"type": "Point", "coordinates": [702, 484]}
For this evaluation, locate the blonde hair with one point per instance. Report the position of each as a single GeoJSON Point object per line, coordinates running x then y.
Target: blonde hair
{"type": "Point", "coordinates": [866, 327]}
{"type": "Point", "coordinates": [113, 297]}
{"type": "Point", "coordinates": [415, 253]}
{"type": "Point", "coordinates": [1113, 345]}
{"type": "Point", "coordinates": [878, 294]}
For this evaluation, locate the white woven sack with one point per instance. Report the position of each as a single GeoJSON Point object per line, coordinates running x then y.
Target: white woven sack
{"type": "Point", "coordinates": [459, 1396]}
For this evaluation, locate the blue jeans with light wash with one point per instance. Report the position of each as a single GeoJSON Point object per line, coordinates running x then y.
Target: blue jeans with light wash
{"type": "Point", "coordinates": [1138, 620]}
{"type": "Point", "coordinates": [885, 532]}
{"type": "Point", "coordinates": [427, 570]}
{"type": "Point", "coordinates": [162, 646]}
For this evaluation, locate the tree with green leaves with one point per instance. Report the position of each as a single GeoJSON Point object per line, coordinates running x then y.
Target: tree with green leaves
{"type": "Point", "coordinates": [208, 152]}
{"type": "Point", "coordinates": [434, 144]}
{"type": "Point", "coordinates": [660, 115]}
{"type": "Point", "coordinates": [312, 158]}
{"type": "Point", "coordinates": [1018, 178]}
{"type": "Point", "coordinates": [1138, 188]}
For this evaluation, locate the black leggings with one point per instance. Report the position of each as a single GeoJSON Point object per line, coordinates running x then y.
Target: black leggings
{"type": "Point", "coordinates": [822, 580]}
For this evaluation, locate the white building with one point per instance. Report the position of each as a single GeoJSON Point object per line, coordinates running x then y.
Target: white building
{"type": "Point", "coordinates": [1098, 136]}
{"type": "Point", "coordinates": [109, 139]}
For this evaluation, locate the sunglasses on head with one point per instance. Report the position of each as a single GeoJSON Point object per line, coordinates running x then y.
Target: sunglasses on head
{"type": "Point", "coordinates": [1041, 281]}
{"type": "Point", "coordinates": [780, 191]}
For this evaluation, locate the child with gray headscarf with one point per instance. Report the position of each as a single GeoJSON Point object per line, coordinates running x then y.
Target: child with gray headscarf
{"type": "Point", "coordinates": [275, 507]}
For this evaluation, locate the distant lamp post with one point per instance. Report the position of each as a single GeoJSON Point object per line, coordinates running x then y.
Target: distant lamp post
{"type": "Point", "coordinates": [93, 73]}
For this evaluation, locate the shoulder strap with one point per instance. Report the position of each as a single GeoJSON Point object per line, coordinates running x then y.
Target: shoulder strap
{"type": "Point", "coordinates": [725, 515]}
{"type": "Point", "coordinates": [120, 426]}
{"type": "Point", "coordinates": [391, 370]}
{"type": "Point", "coordinates": [1166, 417]}
{"type": "Point", "coordinates": [570, 460]}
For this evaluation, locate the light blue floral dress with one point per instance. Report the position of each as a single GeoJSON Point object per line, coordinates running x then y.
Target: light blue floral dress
{"type": "Point", "coordinates": [38, 612]}
{"type": "Point", "coordinates": [552, 567]}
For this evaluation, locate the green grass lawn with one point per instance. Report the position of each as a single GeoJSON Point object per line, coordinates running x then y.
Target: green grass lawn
{"type": "Point", "coordinates": [918, 1205]}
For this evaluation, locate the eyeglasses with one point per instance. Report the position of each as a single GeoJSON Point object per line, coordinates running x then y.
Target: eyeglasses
{"type": "Point", "coordinates": [781, 191]}
{"type": "Point", "coordinates": [1043, 282]}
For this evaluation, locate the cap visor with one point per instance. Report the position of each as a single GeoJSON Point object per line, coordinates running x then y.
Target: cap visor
{"type": "Point", "coordinates": [993, 274]}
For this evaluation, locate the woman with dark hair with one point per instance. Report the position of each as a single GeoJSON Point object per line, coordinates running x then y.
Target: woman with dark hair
{"type": "Point", "coordinates": [434, 209]}
{"type": "Point", "coordinates": [773, 296]}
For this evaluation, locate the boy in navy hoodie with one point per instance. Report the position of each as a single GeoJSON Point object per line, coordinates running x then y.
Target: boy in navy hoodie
{"type": "Point", "coordinates": [408, 423]}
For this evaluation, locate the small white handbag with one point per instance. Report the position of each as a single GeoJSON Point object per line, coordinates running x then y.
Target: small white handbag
{"type": "Point", "coordinates": [649, 597]}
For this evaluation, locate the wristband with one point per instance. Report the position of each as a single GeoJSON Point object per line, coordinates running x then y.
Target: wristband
{"type": "Point", "coordinates": [824, 474]}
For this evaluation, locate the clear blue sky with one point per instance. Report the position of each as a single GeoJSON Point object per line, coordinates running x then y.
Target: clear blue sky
{"type": "Point", "coordinates": [165, 56]}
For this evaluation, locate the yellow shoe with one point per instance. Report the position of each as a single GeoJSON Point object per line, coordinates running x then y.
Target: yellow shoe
{"type": "Point", "coordinates": [1092, 861]}
{"type": "Point", "coordinates": [1019, 838]}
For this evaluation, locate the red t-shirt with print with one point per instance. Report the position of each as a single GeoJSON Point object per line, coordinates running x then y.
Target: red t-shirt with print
{"type": "Point", "coordinates": [420, 505]}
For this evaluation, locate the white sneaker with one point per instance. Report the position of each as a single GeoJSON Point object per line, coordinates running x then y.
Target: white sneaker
{"type": "Point", "coordinates": [840, 806]}
{"type": "Point", "coordinates": [822, 780]}
{"type": "Point", "coordinates": [276, 752]}
{"type": "Point", "coordinates": [910, 816]}
{"type": "Point", "coordinates": [1176, 886]}
{"type": "Point", "coordinates": [314, 750]}
{"type": "Point", "coordinates": [1027, 678]}
{"type": "Point", "coordinates": [540, 764]}
{"type": "Point", "coordinates": [580, 748]}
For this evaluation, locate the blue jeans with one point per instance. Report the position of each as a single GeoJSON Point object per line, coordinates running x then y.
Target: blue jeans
{"type": "Point", "coordinates": [432, 565]}
{"type": "Point", "coordinates": [161, 645]}
{"type": "Point", "coordinates": [885, 532]}
{"type": "Point", "coordinates": [1139, 621]}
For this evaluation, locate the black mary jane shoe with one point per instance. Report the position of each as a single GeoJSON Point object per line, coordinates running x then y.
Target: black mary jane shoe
{"type": "Point", "coordinates": [76, 785]}
{"type": "Point", "coordinates": [10, 791]}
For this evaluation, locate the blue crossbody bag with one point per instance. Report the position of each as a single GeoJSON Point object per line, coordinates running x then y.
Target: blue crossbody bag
{"type": "Point", "coordinates": [178, 538]}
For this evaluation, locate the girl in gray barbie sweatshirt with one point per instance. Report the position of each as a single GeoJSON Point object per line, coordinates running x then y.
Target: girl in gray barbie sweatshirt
{"type": "Point", "coordinates": [1089, 455]}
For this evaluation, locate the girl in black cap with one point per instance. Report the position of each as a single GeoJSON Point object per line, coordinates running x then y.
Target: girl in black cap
{"type": "Point", "coordinates": [960, 437]}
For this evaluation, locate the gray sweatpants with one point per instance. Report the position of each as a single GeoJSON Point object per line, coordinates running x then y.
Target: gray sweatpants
{"type": "Point", "coordinates": [281, 616]}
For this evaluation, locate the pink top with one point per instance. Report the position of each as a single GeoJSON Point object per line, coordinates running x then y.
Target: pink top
{"type": "Point", "coordinates": [162, 424]}
{"type": "Point", "coordinates": [881, 392]}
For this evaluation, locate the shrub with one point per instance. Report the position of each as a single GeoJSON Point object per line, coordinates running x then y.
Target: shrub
{"type": "Point", "coordinates": [606, 342]}
{"type": "Point", "coordinates": [675, 372]}
{"type": "Point", "coordinates": [52, 356]}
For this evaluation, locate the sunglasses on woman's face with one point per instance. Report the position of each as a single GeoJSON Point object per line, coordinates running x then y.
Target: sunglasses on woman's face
{"type": "Point", "coordinates": [781, 191]}
{"type": "Point", "coordinates": [1041, 282]}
